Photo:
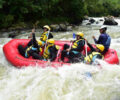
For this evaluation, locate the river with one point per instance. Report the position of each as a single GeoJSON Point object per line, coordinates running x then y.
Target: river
{"type": "Point", "coordinates": [75, 82]}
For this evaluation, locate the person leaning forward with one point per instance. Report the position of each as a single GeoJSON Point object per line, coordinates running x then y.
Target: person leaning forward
{"type": "Point", "coordinates": [96, 53]}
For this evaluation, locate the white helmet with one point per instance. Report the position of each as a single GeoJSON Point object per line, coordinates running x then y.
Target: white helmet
{"type": "Point", "coordinates": [103, 27]}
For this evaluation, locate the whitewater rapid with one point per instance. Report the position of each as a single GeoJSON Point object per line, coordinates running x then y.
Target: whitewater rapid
{"type": "Point", "coordinates": [75, 82]}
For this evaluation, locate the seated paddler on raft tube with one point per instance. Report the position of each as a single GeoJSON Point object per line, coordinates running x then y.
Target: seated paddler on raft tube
{"type": "Point", "coordinates": [31, 50]}
{"type": "Point", "coordinates": [95, 53]}
{"type": "Point", "coordinates": [34, 47]}
{"type": "Point", "coordinates": [50, 51]}
{"type": "Point", "coordinates": [103, 39]}
{"type": "Point", "coordinates": [73, 52]}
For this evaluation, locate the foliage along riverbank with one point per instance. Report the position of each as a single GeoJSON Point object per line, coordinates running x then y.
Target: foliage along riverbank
{"type": "Point", "coordinates": [19, 13]}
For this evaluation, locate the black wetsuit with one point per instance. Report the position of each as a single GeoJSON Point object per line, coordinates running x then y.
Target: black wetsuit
{"type": "Point", "coordinates": [53, 53]}
{"type": "Point", "coordinates": [74, 55]}
{"type": "Point", "coordinates": [34, 51]}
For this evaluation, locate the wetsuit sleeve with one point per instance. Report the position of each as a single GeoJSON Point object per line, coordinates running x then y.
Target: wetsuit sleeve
{"type": "Point", "coordinates": [53, 53]}
{"type": "Point", "coordinates": [29, 43]}
{"type": "Point", "coordinates": [99, 40]}
{"type": "Point", "coordinates": [50, 35]}
{"type": "Point", "coordinates": [80, 45]}
{"type": "Point", "coordinates": [34, 42]}
{"type": "Point", "coordinates": [91, 47]}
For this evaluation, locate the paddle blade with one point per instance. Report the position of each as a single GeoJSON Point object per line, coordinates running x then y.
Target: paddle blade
{"type": "Point", "coordinates": [74, 35]}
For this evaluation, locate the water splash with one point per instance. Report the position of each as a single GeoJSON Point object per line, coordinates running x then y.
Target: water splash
{"type": "Point", "coordinates": [66, 83]}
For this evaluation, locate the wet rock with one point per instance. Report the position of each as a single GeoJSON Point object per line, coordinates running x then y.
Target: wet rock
{"type": "Point", "coordinates": [63, 27]}
{"type": "Point", "coordinates": [110, 21]}
{"type": "Point", "coordinates": [55, 27]}
{"type": "Point", "coordinates": [92, 20]}
{"type": "Point", "coordinates": [86, 18]}
{"type": "Point", "coordinates": [12, 35]}
{"type": "Point", "coordinates": [69, 28]}
{"type": "Point", "coordinates": [97, 22]}
{"type": "Point", "coordinates": [101, 20]}
{"type": "Point", "coordinates": [88, 24]}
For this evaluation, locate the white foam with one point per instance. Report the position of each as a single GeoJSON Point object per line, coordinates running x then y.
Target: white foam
{"type": "Point", "coordinates": [66, 83]}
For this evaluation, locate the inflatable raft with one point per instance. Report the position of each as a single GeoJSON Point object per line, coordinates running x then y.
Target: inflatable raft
{"type": "Point", "coordinates": [13, 56]}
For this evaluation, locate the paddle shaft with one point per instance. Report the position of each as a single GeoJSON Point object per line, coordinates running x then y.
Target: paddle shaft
{"type": "Point", "coordinates": [86, 48]}
{"type": "Point", "coordinates": [46, 41]}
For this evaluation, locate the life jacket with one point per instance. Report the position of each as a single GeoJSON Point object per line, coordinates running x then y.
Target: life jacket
{"type": "Point", "coordinates": [91, 57]}
{"type": "Point", "coordinates": [32, 48]}
{"type": "Point", "coordinates": [44, 36]}
{"type": "Point", "coordinates": [46, 53]}
{"type": "Point", "coordinates": [75, 44]}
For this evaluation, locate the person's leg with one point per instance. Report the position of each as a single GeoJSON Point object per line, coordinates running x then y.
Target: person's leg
{"type": "Point", "coordinates": [66, 46]}
{"type": "Point", "coordinates": [75, 58]}
{"type": "Point", "coordinates": [63, 55]}
{"type": "Point", "coordinates": [21, 50]}
{"type": "Point", "coordinates": [36, 56]}
{"type": "Point", "coordinates": [72, 57]}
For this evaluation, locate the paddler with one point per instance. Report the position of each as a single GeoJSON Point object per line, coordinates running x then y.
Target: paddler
{"type": "Point", "coordinates": [44, 36]}
{"type": "Point", "coordinates": [73, 52]}
{"type": "Point", "coordinates": [51, 50]}
{"type": "Point", "coordinates": [96, 53]}
{"type": "Point", "coordinates": [32, 50]}
{"type": "Point", "coordinates": [103, 39]}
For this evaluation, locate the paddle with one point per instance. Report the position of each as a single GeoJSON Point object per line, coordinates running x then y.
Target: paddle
{"type": "Point", "coordinates": [33, 30]}
{"type": "Point", "coordinates": [46, 41]}
{"type": "Point", "coordinates": [86, 48]}
{"type": "Point", "coordinates": [73, 38]}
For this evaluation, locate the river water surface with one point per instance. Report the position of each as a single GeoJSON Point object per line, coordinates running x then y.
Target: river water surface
{"type": "Point", "coordinates": [75, 82]}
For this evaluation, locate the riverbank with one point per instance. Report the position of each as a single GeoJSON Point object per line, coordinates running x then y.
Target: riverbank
{"type": "Point", "coordinates": [56, 25]}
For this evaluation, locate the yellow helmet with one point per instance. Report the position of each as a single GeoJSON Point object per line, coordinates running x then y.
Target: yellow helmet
{"type": "Point", "coordinates": [100, 47]}
{"type": "Point", "coordinates": [39, 42]}
{"type": "Point", "coordinates": [47, 27]}
{"type": "Point", "coordinates": [51, 41]}
{"type": "Point", "coordinates": [80, 34]}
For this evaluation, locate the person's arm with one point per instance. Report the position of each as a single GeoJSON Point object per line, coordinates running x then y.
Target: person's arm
{"type": "Point", "coordinates": [34, 42]}
{"type": "Point", "coordinates": [31, 38]}
{"type": "Point", "coordinates": [99, 40]}
{"type": "Point", "coordinates": [53, 53]}
{"type": "Point", "coordinates": [91, 47]}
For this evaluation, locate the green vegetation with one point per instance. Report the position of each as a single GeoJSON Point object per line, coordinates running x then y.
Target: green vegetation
{"type": "Point", "coordinates": [53, 11]}
{"type": "Point", "coordinates": [103, 7]}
